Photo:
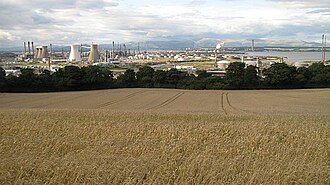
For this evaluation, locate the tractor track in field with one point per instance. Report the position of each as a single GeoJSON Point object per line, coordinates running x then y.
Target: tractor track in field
{"type": "Point", "coordinates": [22, 101]}
{"type": "Point", "coordinates": [235, 108]}
{"type": "Point", "coordinates": [222, 103]}
{"type": "Point", "coordinates": [167, 102]}
{"type": "Point", "coordinates": [65, 99]}
{"type": "Point", "coordinates": [120, 99]}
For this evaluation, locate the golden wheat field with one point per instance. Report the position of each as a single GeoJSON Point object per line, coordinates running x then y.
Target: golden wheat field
{"type": "Point", "coordinates": [159, 136]}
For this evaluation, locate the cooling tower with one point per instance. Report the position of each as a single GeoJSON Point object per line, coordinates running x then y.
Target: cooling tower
{"type": "Point", "coordinates": [74, 54]}
{"type": "Point", "coordinates": [44, 52]}
{"type": "Point", "coordinates": [38, 52]}
{"type": "Point", "coordinates": [94, 54]}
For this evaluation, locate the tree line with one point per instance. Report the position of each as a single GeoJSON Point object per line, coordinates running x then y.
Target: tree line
{"type": "Point", "coordinates": [238, 76]}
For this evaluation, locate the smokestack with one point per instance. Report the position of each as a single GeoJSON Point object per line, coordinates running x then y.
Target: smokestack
{"type": "Point", "coordinates": [139, 47]}
{"type": "Point", "coordinates": [24, 48]}
{"type": "Point", "coordinates": [29, 47]}
{"type": "Point", "coordinates": [125, 50]}
{"type": "Point", "coordinates": [74, 54]}
{"type": "Point", "coordinates": [113, 49]}
{"type": "Point", "coordinates": [252, 45]}
{"type": "Point", "coordinates": [323, 47]}
{"type": "Point", "coordinates": [32, 48]}
{"type": "Point", "coordinates": [94, 54]}
{"type": "Point", "coordinates": [106, 55]}
{"type": "Point", "coordinates": [51, 50]}
{"type": "Point", "coordinates": [80, 49]}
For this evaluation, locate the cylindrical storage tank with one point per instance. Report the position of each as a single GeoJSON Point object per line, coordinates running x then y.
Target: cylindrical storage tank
{"type": "Point", "coordinates": [74, 54]}
{"type": "Point", "coordinates": [223, 64]}
{"type": "Point", "coordinates": [251, 63]}
{"type": "Point", "coordinates": [94, 54]}
{"type": "Point", "coordinates": [44, 52]}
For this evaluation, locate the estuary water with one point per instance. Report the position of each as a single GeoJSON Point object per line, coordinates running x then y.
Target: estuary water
{"type": "Point", "coordinates": [293, 56]}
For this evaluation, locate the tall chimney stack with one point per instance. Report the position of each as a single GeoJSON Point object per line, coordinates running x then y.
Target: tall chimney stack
{"type": "Point", "coordinates": [113, 49]}
{"type": "Point", "coordinates": [139, 47]}
{"type": "Point", "coordinates": [51, 50]}
{"type": "Point", "coordinates": [24, 48]}
{"type": "Point", "coordinates": [29, 47]}
{"type": "Point", "coordinates": [323, 47]}
{"type": "Point", "coordinates": [125, 50]}
{"type": "Point", "coordinates": [32, 48]}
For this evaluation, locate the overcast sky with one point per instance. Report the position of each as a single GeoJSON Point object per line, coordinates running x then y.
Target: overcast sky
{"type": "Point", "coordinates": [101, 21]}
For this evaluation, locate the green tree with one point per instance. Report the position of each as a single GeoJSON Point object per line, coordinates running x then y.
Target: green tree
{"type": "Point", "coordinates": [27, 80]}
{"type": "Point", "coordinates": [318, 68]}
{"type": "Point", "coordinates": [235, 75]}
{"type": "Point", "coordinates": [173, 77]}
{"type": "Point", "coordinates": [128, 79]}
{"type": "Point", "coordinates": [2, 78]}
{"type": "Point", "coordinates": [68, 78]}
{"type": "Point", "coordinates": [159, 78]}
{"type": "Point", "coordinates": [95, 77]}
{"type": "Point", "coordinates": [198, 82]}
{"type": "Point", "coordinates": [202, 74]}
{"type": "Point", "coordinates": [302, 77]}
{"type": "Point", "coordinates": [280, 75]}
{"type": "Point", "coordinates": [319, 74]}
{"type": "Point", "coordinates": [145, 76]}
{"type": "Point", "coordinates": [215, 82]}
{"type": "Point", "coordinates": [44, 81]}
{"type": "Point", "coordinates": [251, 78]}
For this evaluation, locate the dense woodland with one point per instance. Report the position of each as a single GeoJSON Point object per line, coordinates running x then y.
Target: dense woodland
{"type": "Point", "coordinates": [71, 78]}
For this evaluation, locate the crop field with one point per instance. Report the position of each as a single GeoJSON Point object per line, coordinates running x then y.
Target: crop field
{"type": "Point", "coordinates": [159, 136]}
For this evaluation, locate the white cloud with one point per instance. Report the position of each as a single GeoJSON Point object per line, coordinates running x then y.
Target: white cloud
{"type": "Point", "coordinates": [67, 21]}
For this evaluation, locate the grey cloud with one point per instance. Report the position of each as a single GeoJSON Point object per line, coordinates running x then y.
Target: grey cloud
{"type": "Point", "coordinates": [95, 4]}
{"type": "Point", "coordinates": [66, 21]}
{"type": "Point", "coordinates": [38, 20]}
{"type": "Point", "coordinates": [327, 10]}
{"type": "Point", "coordinates": [306, 3]}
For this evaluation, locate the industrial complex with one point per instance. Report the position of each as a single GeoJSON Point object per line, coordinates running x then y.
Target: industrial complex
{"type": "Point", "coordinates": [118, 57]}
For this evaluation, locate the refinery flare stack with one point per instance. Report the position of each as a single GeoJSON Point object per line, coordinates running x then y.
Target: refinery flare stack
{"type": "Point", "coordinates": [74, 54]}
{"type": "Point", "coordinates": [94, 55]}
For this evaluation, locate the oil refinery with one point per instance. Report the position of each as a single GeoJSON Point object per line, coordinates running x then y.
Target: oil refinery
{"type": "Point", "coordinates": [118, 57]}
